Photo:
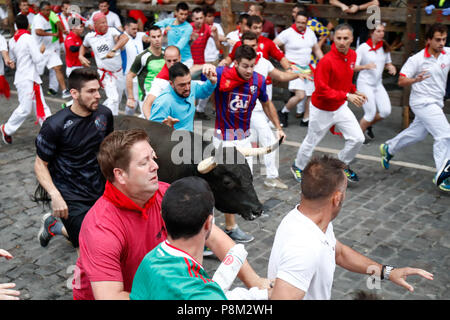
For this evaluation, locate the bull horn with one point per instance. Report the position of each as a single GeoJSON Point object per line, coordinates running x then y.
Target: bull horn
{"type": "Point", "coordinates": [252, 152]}
{"type": "Point", "coordinates": [206, 165]}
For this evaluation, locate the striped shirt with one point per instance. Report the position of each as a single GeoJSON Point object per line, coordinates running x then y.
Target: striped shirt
{"type": "Point", "coordinates": [199, 45]}
{"type": "Point", "coordinates": [234, 108]}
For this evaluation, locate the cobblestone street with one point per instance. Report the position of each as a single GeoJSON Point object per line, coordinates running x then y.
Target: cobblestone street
{"type": "Point", "coordinates": [396, 217]}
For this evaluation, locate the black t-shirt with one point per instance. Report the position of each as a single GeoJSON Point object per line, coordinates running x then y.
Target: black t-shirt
{"type": "Point", "coordinates": [70, 143]}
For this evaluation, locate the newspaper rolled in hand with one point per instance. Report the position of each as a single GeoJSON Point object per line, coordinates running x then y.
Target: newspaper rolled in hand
{"type": "Point", "coordinates": [230, 266]}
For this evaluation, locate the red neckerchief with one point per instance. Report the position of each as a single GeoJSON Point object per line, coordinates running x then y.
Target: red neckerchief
{"type": "Point", "coordinates": [294, 26]}
{"type": "Point", "coordinates": [46, 18]}
{"type": "Point", "coordinates": [230, 79]}
{"type": "Point", "coordinates": [107, 11]}
{"type": "Point", "coordinates": [19, 33]}
{"type": "Point", "coordinates": [427, 53]}
{"type": "Point", "coordinates": [121, 201]}
{"type": "Point", "coordinates": [376, 47]}
{"type": "Point", "coordinates": [99, 33]}
{"type": "Point", "coordinates": [164, 73]}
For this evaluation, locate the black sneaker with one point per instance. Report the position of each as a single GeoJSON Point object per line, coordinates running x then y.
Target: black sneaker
{"type": "Point", "coordinates": [304, 123]}
{"type": "Point", "coordinates": [6, 138]}
{"type": "Point", "coordinates": [238, 235]}
{"type": "Point", "coordinates": [52, 92]}
{"type": "Point", "coordinates": [351, 175]}
{"type": "Point", "coordinates": [283, 116]}
{"type": "Point", "coordinates": [370, 132]}
{"type": "Point", "coordinates": [443, 173]}
{"type": "Point", "coordinates": [45, 235]}
{"type": "Point", "coordinates": [201, 116]}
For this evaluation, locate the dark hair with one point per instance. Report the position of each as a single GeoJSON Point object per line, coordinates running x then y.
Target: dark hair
{"type": "Point", "coordinates": [243, 17]}
{"type": "Point", "coordinates": [302, 12]}
{"type": "Point", "coordinates": [115, 150]}
{"type": "Point", "coordinates": [182, 6]}
{"type": "Point", "coordinates": [186, 205]}
{"type": "Point", "coordinates": [245, 52]}
{"type": "Point", "coordinates": [253, 20]}
{"type": "Point", "coordinates": [437, 27]}
{"type": "Point", "coordinates": [130, 20]}
{"type": "Point", "coordinates": [299, 6]}
{"type": "Point", "coordinates": [21, 21]}
{"type": "Point", "coordinates": [386, 46]}
{"type": "Point", "coordinates": [43, 4]}
{"type": "Point", "coordinates": [322, 177]}
{"type": "Point", "coordinates": [197, 10]}
{"type": "Point", "coordinates": [79, 77]}
{"type": "Point", "coordinates": [178, 70]}
{"type": "Point", "coordinates": [248, 35]}
{"type": "Point", "coordinates": [154, 28]}
{"type": "Point", "coordinates": [102, 1]}
{"type": "Point", "coordinates": [65, 2]}
{"type": "Point", "coordinates": [209, 10]}
{"type": "Point", "coordinates": [343, 26]}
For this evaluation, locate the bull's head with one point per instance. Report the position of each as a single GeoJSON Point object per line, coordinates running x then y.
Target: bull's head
{"type": "Point", "coordinates": [232, 181]}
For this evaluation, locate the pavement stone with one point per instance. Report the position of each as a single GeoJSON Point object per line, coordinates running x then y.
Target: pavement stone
{"type": "Point", "coordinates": [395, 216]}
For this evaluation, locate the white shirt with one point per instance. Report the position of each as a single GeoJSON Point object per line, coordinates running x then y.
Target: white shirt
{"type": "Point", "coordinates": [298, 48]}
{"type": "Point", "coordinates": [158, 86]}
{"type": "Point", "coordinates": [379, 57]}
{"type": "Point", "coordinates": [263, 67]}
{"type": "Point", "coordinates": [29, 60]}
{"type": "Point", "coordinates": [234, 35]}
{"type": "Point", "coordinates": [304, 256]}
{"type": "Point", "coordinates": [39, 22]}
{"type": "Point", "coordinates": [112, 19]}
{"type": "Point", "coordinates": [101, 45]}
{"type": "Point", "coordinates": [132, 49]}
{"type": "Point", "coordinates": [211, 51]}
{"type": "Point", "coordinates": [432, 89]}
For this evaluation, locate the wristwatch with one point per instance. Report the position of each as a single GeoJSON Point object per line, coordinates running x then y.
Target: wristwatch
{"type": "Point", "coordinates": [386, 271]}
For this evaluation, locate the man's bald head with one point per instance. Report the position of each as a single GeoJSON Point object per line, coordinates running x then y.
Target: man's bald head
{"type": "Point", "coordinates": [172, 55]}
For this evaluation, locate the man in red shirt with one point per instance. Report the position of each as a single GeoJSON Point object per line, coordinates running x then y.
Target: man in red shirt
{"type": "Point", "coordinates": [72, 45]}
{"type": "Point", "coordinates": [268, 30]}
{"type": "Point", "coordinates": [126, 222]}
{"type": "Point", "coordinates": [266, 47]}
{"type": "Point", "coordinates": [329, 104]}
{"type": "Point", "coordinates": [199, 37]}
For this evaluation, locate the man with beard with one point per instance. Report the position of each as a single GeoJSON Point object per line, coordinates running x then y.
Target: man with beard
{"type": "Point", "coordinates": [177, 102]}
{"type": "Point", "coordinates": [66, 162]}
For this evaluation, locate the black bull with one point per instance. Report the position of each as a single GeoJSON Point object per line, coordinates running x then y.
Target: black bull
{"type": "Point", "coordinates": [232, 184]}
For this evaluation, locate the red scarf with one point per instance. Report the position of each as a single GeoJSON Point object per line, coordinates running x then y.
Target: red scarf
{"type": "Point", "coordinates": [99, 33]}
{"type": "Point", "coordinates": [4, 87]}
{"type": "Point", "coordinates": [46, 18]}
{"type": "Point", "coordinates": [230, 79]}
{"type": "Point", "coordinates": [377, 46]}
{"type": "Point", "coordinates": [19, 33]}
{"type": "Point", "coordinates": [40, 113]}
{"type": "Point", "coordinates": [294, 26]}
{"type": "Point", "coordinates": [164, 73]}
{"type": "Point", "coordinates": [121, 201]}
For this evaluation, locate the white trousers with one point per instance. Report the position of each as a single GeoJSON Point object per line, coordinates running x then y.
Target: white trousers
{"type": "Point", "coordinates": [263, 135]}
{"type": "Point", "coordinates": [320, 122]}
{"type": "Point", "coordinates": [27, 102]}
{"type": "Point", "coordinates": [428, 119]}
{"type": "Point", "coordinates": [246, 143]}
{"type": "Point", "coordinates": [130, 111]}
{"type": "Point", "coordinates": [113, 84]}
{"type": "Point", "coordinates": [377, 101]}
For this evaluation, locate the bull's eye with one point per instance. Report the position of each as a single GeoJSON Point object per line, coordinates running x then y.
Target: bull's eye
{"type": "Point", "coordinates": [228, 182]}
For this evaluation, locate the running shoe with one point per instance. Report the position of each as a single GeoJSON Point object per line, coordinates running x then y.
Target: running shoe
{"type": "Point", "coordinates": [238, 235]}
{"type": "Point", "coordinates": [385, 155]}
{"type": "Point", "coordinates": [45, 234]}
{"type": "Point", "coordinates": [275, 183]}
{"type": "Point", "coordinates": [445, 185]}
{"type": "Point", "coordinates": [370, 132]}
{"type": "Point", "coordinates": [283, 116]}
{"type": "Point", "coordinates": [6, 138]}
{"type": "Point", "coordinates": [443, 173]}
{"type": "Point", "coordinates": [351, 175]}
{"type": "Point", "coordinates": [297, 172]}
{"type": "Point", "coordinates": [304, 123]}
{"type": "Point", "coordinates": [52, 92]}
{"type": "Point", "coordinates": [207, 251]}
{"type": "Point", "coordinates": [66, 94]}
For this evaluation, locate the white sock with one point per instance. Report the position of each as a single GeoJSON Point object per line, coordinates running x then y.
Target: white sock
{"type": "Point", "coordinates": [285, 110]}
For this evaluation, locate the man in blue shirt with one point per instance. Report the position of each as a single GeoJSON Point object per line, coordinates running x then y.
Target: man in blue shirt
{"type": "Point", "coordinates": [177, 102]}
{"type": "Point", "coordinates": [179, 32]}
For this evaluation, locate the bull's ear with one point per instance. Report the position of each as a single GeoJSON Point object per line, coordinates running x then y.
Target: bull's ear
{"type": "Point", "coordinates": [206, 165]}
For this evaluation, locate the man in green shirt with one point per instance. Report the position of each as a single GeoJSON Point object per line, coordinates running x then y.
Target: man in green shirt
{"type": "Point", "coordinates": [146, 66]}
{"type": "Point", "coordinates": [173, 270]}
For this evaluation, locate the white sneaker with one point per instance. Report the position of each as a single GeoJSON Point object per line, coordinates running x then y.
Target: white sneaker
{"type": "Point", "coordinates": [66, 94]}
{"type": "Point", "coordinates": [275, 183]}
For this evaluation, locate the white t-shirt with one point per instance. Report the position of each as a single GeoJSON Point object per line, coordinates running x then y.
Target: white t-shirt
{"type": "Point", "coordinates": [263, 67]}
{"type": "Point", "coordinates": [234, 35]}
{"type": "Point", "coordinates": [298, 48]}
{"type": "Point", "coordinates": [432, 89]}
{"type": "Point", "coordinates": [379, 57]}
{"type": "Point", "coordinates": [304, 256]}
{"type": "Point", "coordinates": [39, 22]}
{"type": "Point", "coordinates": [29, 61]}
{"type": "Point", "coordinates": [211, 51]}
{"type": "Point", "coordinates": [112, 19]}
{"type": "Point", "coordinates": [3, 47]}
{"type": "Point", "coordinates": [158, 86]}
{"type": "Point", "coordinates": [132, 49]}
{"type": "Point", "coordinates": [101, 45]}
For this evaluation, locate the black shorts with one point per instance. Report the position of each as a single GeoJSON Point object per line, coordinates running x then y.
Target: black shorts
{"type": "Point", "coordinates": [77, 211]}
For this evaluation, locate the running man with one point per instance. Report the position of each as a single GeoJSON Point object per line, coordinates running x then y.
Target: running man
{"type": "Point", "coordinates": [329, 104]}
{"type": "Point", "coordinates": [426, 72]}
{"type": "Point", "coordinates": [112, 18]}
